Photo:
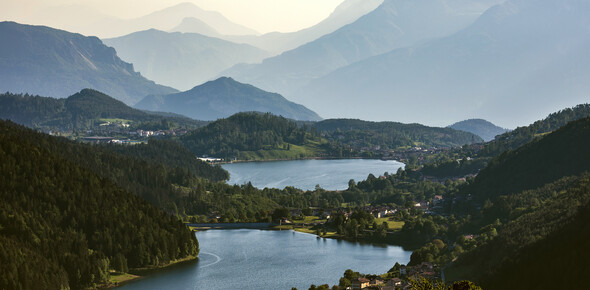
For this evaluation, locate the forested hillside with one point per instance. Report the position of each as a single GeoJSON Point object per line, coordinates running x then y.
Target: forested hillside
{"type": "Point", "coordinates": [521, 217]}
{"type": "Point", "coordinates": [392, 135]}
{"type": "Point", "coordinates": [562, 153]}
{"type": "Point", "coordinates": [545, 235]}
{"type": "Point", "coordinates": [522, 135]}
{"type": "Point", "coordinates": [251, 133]}
{"type": "Point", "coordinates": [171, 154]}
{"type": "Point", "coordinates": [471, 159]}
{"type": "Point", "coordinates": [63, 226]}
{"type": "Point", "coordinates": [86, 109]}
{"type": "Point", "coordinates": [266, 136]}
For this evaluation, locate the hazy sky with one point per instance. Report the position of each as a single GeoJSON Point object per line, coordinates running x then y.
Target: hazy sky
{"type": "Point", "coordinates": [261, 15]}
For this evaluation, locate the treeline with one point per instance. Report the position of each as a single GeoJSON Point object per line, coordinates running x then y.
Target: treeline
{"type": "Point", "coordinates": [63, 226]}
{"type": "Point", "coordinates": [527, 211]}
{"type": "Point", "coordinates": [225, 138]}
{"type": "Point", "coordinates": [562, 153]}
{"type": "Point", "coordinates": [171, 154]}
{"type": "Point", "coordinates": [81, 111]}
{"type": "Point", "coordinates": [443, 166]}
{"type": "Point", "coordinates": [391, 135]}
{"type": "Point", "coordinates": [522, 135]}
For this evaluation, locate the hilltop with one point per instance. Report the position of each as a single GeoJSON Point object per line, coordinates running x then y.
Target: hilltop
{"type": "Point", "coordinates": [480, 127]}
{"type": "Point", "coordinates": [224, 97]}
{"type": "Point", "coordinates": [87, 109]}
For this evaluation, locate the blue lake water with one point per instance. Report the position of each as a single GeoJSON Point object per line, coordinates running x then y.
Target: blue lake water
{"type": "Point", "coordinates": [264, 259]}
{"type": "Point", "coordinates": [306, 174]}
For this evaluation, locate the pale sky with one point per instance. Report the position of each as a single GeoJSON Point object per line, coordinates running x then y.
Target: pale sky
{"type": "Point", "coordinates": [261, 15]}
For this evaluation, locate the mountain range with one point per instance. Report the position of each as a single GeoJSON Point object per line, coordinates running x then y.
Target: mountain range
{"type": "Point", "coordinates": [276, 42]}
{"type": "Point", "coordinates": [520, 60]}
{"type": "Point", "coordinates": [45, 61]}
{"type": "Point", "coordinates": [91, 22]}
{"type": "Point", "coordinates": [222, 98]}
{"type": "Point", "coordinates": [182, 60]}
{"type": "Point", "coordinates": [394, 24]}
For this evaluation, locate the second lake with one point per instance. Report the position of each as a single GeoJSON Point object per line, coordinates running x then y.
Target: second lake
{"type": "Point", "coordinates": [306, 174]}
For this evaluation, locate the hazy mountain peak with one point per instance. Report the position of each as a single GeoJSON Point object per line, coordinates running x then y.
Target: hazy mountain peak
{"type": "Point", "coordinates": [182, 60]}
{"type": "Point", "coordinates": [224, 97]}
{"type": "Point", "coordinates": [480, 127]}
{"type": "Point", "coordinates": [393, 24]}
{"type": "Point", "coordinates": [195, 25]}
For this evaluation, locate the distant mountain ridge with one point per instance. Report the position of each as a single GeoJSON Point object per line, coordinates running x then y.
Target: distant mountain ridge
{"type": "Point", "coordinates": [90, 22]}
{"type": "Point", "coordinates": [182, 60]}
{"type": "Point", "coordinates": [45, 61]}
{"type": "Point", "coordinates": [276, 42]}
{"type": "Point", "coordinates": [394, 24]}
{"type": "Point", "coordinates": [224, 97]}
{"type": "Point", "coordinates": [480, 127]}
{"type": "Point", "coordinates": [515, 52]}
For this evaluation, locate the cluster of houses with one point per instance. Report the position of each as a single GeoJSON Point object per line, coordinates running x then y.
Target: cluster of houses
{"type": "Point", "coordinates": [376, 211]}
{"type": "Point", "coordinates": [148, 133]}
{"type": "Point", "coordinates": [407, 274]}
{"type": "Point", "coordinates": [140, 134]}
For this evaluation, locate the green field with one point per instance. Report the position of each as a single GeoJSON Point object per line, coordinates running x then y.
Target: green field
{"type": "Point", "coordinates": [309, 219]}
{"type": "Point", "coordinates": [311, 149]}
{"type": "Point", "coordinates": [393, 225]}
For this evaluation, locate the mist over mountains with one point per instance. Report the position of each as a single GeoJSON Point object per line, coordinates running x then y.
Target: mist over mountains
{"type": "Point", "coordinates": [50, 62]}
{"type": "Point", "coordinates": [92, 22]}
{"type": "Point", "coordinates": [182, 60]}
{"type": "Point", "coordinates": [276, 42]}
{"type": "Point", "coordinates": [432, 62]}
{"type": "Point", "coordinates": [519, 60]}
{"type": "Point", "coordinates": [394, 24]}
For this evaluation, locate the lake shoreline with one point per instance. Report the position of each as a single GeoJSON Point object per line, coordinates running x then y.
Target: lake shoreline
{"type": "Point", "coordinates": [394, 240]}
{"type": "Point", "coordinates": [141, 273]}
{"type": "Point", "coordinates": [306, 158]}
{"type": "Point", "coordinates": [230, 259]}
{"type": "Point", "coordinates": [305, 174]}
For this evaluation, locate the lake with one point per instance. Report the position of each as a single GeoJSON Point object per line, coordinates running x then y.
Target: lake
{"type": "Point", "coordinates": [306, 174]}
{"type": "Point", "coordinates": [265, 259]}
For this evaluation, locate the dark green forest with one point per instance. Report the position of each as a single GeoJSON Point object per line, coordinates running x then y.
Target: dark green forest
{"type": "Point", "coordinates": [526, 217]}
{"type": "Point", "coordinates": [63, 226]}
{"type": "Point", "coordinates": [392, 135]}
{"type": "Point", "coordinates": [522, 135]}
{"type": "Point", "coordinates": [226, 138]}
{"type": "Point", "coordinates": [455, 163]}
{"type": "Point", "coordinates": [81, 111]}
{"type": "Point", "coordinates": [564, 152]}
{"type": "Point", "coordinates": [545, 234]}
{"type": "Point", "coordinates": [246, 132]}
{"type": "Point", "coordinates": [172, 155]}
